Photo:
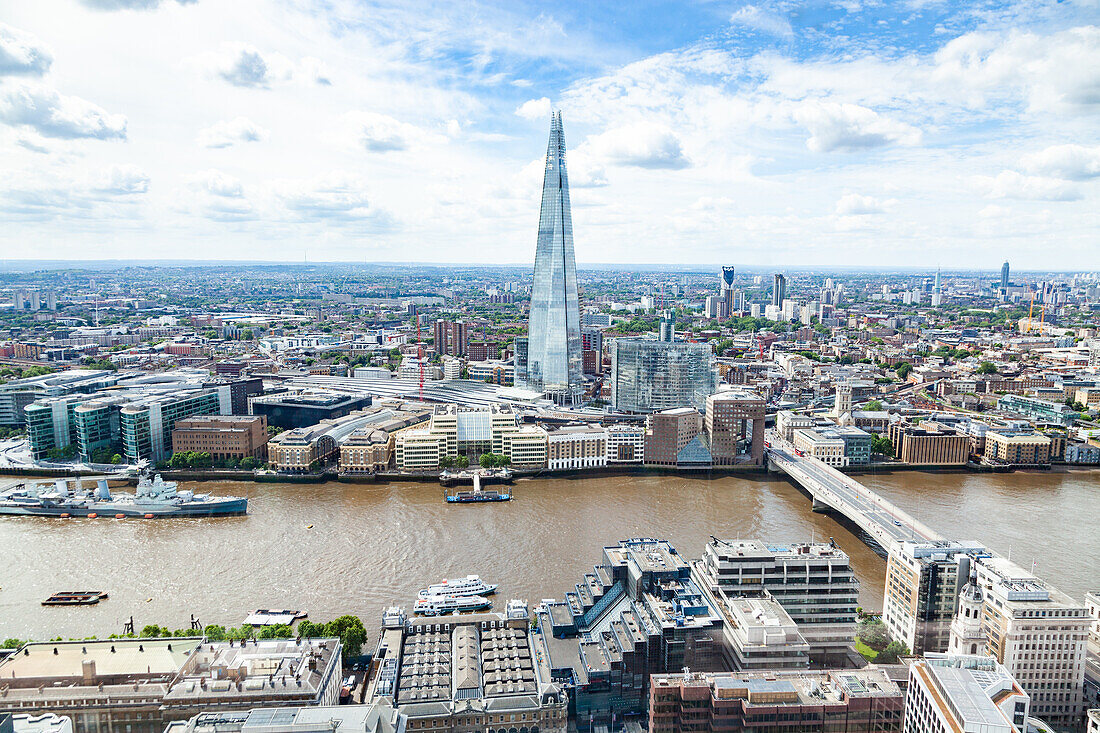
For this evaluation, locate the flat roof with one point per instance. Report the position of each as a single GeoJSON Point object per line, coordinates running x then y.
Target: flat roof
{"type": "Point", "coordinates": [112, 657]}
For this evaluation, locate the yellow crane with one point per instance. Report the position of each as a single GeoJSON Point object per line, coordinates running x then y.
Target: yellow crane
{"type": "Point", "coordinates": [1029, 312]}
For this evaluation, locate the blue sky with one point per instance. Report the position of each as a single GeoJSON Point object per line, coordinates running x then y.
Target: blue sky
{"type": "Point", "coordinates": [848, 132]}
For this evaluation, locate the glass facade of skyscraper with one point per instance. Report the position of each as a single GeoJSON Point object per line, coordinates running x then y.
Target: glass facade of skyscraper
{"type": "Point", "coordinates": [650, 376]}
{"type": "Point", "coordinates": [553, 359]}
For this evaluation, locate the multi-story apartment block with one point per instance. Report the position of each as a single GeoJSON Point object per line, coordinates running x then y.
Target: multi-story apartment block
{"type": "Point", "coordinates": [814, 583]}
{"type": "Point", "coordinates": [451, 338]}
{"type": "Point", "coordinates": [734, 422]}
{"type": "Point", "coordinates": [576, 446]}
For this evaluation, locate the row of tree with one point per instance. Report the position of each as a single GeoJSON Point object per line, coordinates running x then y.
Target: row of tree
{"type": "Point", "coordinates": [202, 459]}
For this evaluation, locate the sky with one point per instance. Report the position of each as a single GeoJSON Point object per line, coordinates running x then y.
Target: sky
{"type": "Point", "coordinates": [913, 133]}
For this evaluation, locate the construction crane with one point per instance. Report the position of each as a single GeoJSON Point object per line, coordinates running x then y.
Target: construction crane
{"type": "Point", "coordinates": [1030, 311]}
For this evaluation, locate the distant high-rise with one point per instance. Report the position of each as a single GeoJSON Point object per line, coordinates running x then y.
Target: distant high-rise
{"type": "Point", "coordinates": [779, 290]}
{"type": "Point", "coordinates": [1004, 275]}
{"type": "Point", "coordinates": [727, 306]}
{"type": "Point", "coordinates": [553, 363]}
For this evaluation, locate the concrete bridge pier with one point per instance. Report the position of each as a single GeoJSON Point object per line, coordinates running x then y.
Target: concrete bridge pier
{"type": "Point", "coordinates": [821, 507]}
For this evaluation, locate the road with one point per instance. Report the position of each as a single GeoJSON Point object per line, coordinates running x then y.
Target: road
{"type": "Point", "coordinates": [876, 516]}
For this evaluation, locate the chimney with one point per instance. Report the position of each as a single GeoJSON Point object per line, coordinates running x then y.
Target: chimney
{"type": "Point", "coordinates": [87, 668]}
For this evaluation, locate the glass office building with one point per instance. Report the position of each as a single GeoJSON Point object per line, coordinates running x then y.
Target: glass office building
{"type": "Point", "coordinates": [650, 376]}
{"type": "Point", "coordinates": [553, 356]}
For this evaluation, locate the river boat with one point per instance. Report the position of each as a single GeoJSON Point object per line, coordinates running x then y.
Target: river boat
{"type": "Point", "coordinates": [471, 585]}
{"type": "Point", "coordinates": [76, 598]}
{"type": "Point", "coordinates": [440, 605]}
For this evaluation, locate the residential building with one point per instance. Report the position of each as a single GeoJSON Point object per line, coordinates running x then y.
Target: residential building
{"type": "Point", "coordinates": [494, 372]}
{"type": "Point", "coordinates": [779, 290]}
{"type": "Point", "coordinates": [650, 376]}
{"type": "Point", "coordinates": [451, 338]}
{"type": "Point", "coordinates": [848, 701]}
{"type": "Point", "coordinates": [576, 447]}
{"type": "Point", "coordinates": [459, 674]}
{"type": "Point", "coordinates": [953, 693]}
{"type": "Point", "coordinates": [814, 583]}
{"type": "Point", "coordinates": [674, 438]}
{"type": "Point", "coordinates": [625, 443]}
{"type": "Point", "coordinates": [734, 421]}
{"type": "Point", "coordinates": [552, 363]}
{"type": "Point", "coordinates": [222, 436]}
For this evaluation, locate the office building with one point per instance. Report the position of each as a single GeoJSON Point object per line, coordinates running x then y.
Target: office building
{"type": "Point", "coordinates": [575, 447]}
{"type": "Point", "coordinates": [290, 410]}
{"type": "Point", "coordinates": [779, 291]}
{"type": "Point", "coordinates": [814, 583]}
{"type": "Point", "coordinates": [675, 438]}
{"type": "Point", "coordinates": [16, 394]}
{"type": "Point", "coordinates": [451, 338]}
{"type": "Point", "coordinates": [459, 674]}
{"type": "Point", "coordinates": [146, 424]}
{"type": "Point", "coordinates": [923, 582]}
{"type": "Point", "coordinates": [734, 421]}
{"type": "Point", "coordinates": [649, 376]}
{"type": "Point", "coordinates": [44, 723]}
{"type": "Point", "coordinates": [378, 717]}
{"type": "Point", "coordinates": [929, 444]}
{"type": "Point", "coordinates": [552, 363]}
{"type": "Point", "coordinates": [636, 614]}
{"type": "Point", "coordinates": [1038, 409]}
{"type": "Point", "coordinates": [848, 701]}
{"type": "Point", "coordinates": [954, 693]}
{"type": "Point", "coordinates": [1039, 634]}
{"type": "Point", "coordinates": [1004, 276]}
{"type": "Point", "coordinates": [625, 443]}
{"type": "Point", "coordinates": [821, 444]}
{"type": "Point", "coordinates": [138, 685]}
{"type": "Point", "coordinates": [222, 436]}
{"type": "Point", "coordinates": [1017, 449]}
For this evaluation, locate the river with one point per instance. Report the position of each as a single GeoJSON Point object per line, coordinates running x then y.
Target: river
{"type": "Point", "coordinates": [340, 548]}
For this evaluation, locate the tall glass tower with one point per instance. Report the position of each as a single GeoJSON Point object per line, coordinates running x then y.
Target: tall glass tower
{"type": "Point", "coordinates": [553, 359]}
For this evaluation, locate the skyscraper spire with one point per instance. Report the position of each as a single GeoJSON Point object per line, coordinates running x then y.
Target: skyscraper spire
{"type": "Point", "coordinates": [552, 363]}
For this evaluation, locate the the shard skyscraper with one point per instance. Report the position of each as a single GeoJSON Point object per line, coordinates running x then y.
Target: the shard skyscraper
{"type": "Point", "coordinates": [552, 359]}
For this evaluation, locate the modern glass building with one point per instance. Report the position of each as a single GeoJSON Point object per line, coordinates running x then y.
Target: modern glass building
{"type": "Point", "coordinates": [146, 425]}
{"type": "Point", "coordinates": [650, 376]}
{"type": "Point", "coordinates": [553, 362]}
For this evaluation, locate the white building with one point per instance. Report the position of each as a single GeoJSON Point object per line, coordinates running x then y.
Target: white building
{"type": "Point", "coordinates": [964, 694]}
{"type": "Point", "coordinates": [625, 443]}
{"type": "Point", "coordinates": [576, 446]}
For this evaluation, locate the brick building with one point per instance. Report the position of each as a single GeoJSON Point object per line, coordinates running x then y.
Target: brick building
{"type": "Point", "coordinates": [222, 436]}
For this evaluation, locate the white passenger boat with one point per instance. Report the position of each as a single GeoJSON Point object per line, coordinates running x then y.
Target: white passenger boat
{"type": "Point", "coordinates": [471, 585]}
{"type": "Point", "coordinates": [438, 605]}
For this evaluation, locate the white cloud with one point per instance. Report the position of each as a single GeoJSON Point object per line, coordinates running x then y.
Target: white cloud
{"type": "Point", "coordinates": [641, 144]}
{"type": "Point", "coordinates": [129, 4]}
{"type": "Point", "coordinates": [22, 53]}
{"type": "Point", "coordinates": [217, 196]}
{"type": "Point", "coordinates": [122, 180]}
{"type": "Point", "coordinates": [227, 133]}
{"type": "Point", "coordinates": [336, 197]}
{"type": "Point", "coordinates": [854, 204]}
{"type": "Point", "coordinates": [759, 19]}
{"type": "Point", "coordinates": [242, 66]}
{"type": "Point", "coordinates": [1013, 185]}
{"type": "Point", "coordinates": [535, 109]}
{"type": "Point", "coordinates": [1072, 162]}
{"type": "Point", "coordinates": [55, 115]}
{"type": "Point", "coordinates": [850, 127]}
{"type": "Point", "coordinates": [379, 133]}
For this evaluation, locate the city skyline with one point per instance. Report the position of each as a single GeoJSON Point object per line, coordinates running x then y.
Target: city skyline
{"type": "Point", "coordinates": [822, 134]}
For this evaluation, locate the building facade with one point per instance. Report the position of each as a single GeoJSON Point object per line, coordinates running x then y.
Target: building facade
{"type": "Point", "coordinates": [650, 376]}
{"type": "Point", "coordinates": [222, 436]}
{"type": "Point", "coordinates": [734, 421]}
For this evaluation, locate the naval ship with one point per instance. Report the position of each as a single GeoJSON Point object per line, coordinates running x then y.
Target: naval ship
{"type": "Point", "coordinates": [152, 498]}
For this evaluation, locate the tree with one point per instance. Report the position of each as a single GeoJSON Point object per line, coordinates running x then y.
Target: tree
{"type": "Point", "coordinates": [249, 463]}
{"type": "Point", "coordinates": [903, 369]}
{"type": "Point", "coordinates": [873, 406]}
{"type": "Point", "coordinates": [872, 632]}
{"type": "Point", "coordinates": [116, 459]}
{"type": "Point", "coordinates": [881, 444]}
{"type": "Point", "coordinates": [891, 652]}
{"type": "Point", "coordinates": [987, 367]}
{"type": "Point", "coordinates": [462, 461]}
{"type": "Point", "coordinates": [214, 632]}
{"type": "Point", "coordinates": [278, 631]}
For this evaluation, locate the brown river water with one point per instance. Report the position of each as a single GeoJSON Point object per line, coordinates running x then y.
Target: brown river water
{"type": "Point", "coordinates": [337, 548]}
